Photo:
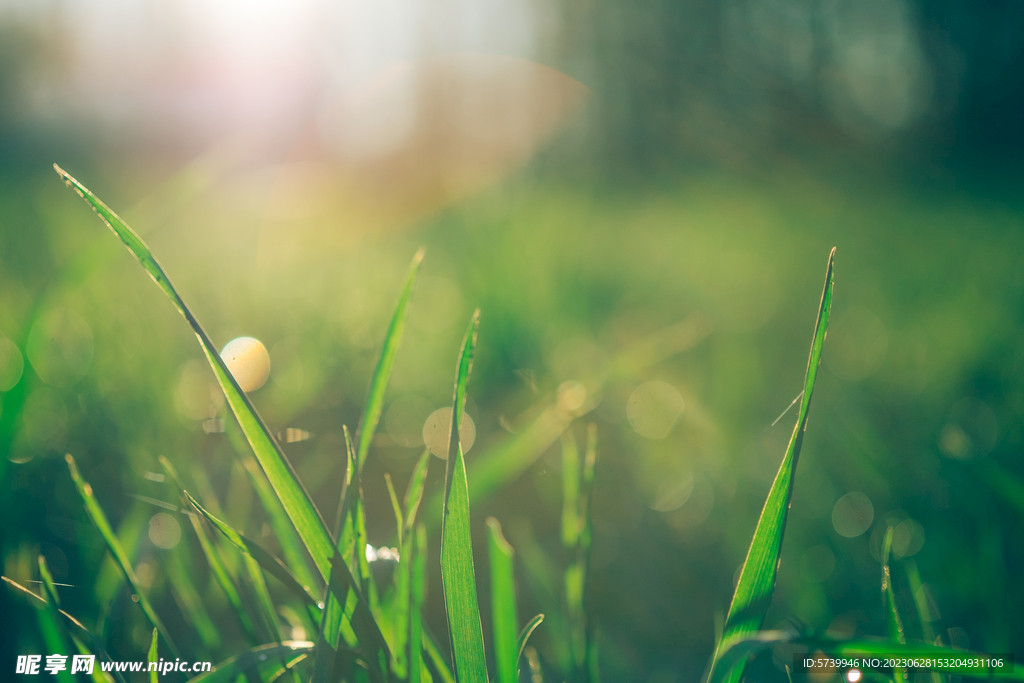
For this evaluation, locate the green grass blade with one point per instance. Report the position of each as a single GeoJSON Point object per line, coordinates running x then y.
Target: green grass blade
{"type": "Point", "coordinates": [289, 489]}
{"type": "Point", "coordinates": [382, 370]}
{"type": "Point", "coordinates": [524, 635]}
{"type": "Point", "coordinates": [414, 491]}
{"type": "Point", "coordinates": [396, 507]}
{"type": "Point", "coordinates": [154, 675]}
{"type": "Point", "coordinates": [589, 470]}
{"type": "Point", "coordinates": [503, 605]}
{"type": "Point", "coordinates": [255, 659]}
{"type": "Point", "coordinates": [457, 574]}
{"type": "Point", "coordinates": [99, 520]}
{"type": "Point", "coordinates": [264, 559]}
{"type": "Point", "coordinates": [570, 490]}
{"type": "Point", "coordinates": [417, 596]}
{"type": "Point", "coordinates": [213, 559]}
{"type": "Point", "coordinates": [753, 593]}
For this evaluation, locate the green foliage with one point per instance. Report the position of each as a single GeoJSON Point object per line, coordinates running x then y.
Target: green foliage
{"type": "Point", "coordinates": [754, 591]}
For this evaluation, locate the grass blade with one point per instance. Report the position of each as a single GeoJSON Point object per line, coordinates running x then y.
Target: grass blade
{"type": "Point", "coordinates": [99, 520]}
{"type": "Point", "coordinates": [289, 489]}
{"type": "Point", "coordinates": [524, 635]}
{"type": "Point", "coordinates": [250, 662]}
{"type": "Point", "coordinates": [753, 593]}
{"type": "Point", "coordinates": [264, 559]}
{"type": "Point", "coordinates": [396, 507]}
{"type": "Point", "coordinates": [892, 615]}
{"type": "Point", "coordinates": [414, 492]}
{"type": "Point", "coordinates": [503, 605]}
{"type": "Point", "coordinates": [382, 370]}
{"type": "Point", "coordinates": [154, 675]}
{"type": "Point", "coordinates": [436, 658]}
{"type": "Point", "coordinates": [457, 574]}
{"type": "Point", "coordinates": [418, 595]}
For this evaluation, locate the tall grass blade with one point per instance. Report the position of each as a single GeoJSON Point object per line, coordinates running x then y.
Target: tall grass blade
{"type": "Point", "coordinates": [414, 491]}
{"type": "Point", "coordinates": [503, 605]}
{"type": "Point", "coordinates": [257, 658]}
{"type": "Point", "coordinates": [264, 559]}
{"type": "Point", "coordinates": [753, 593]}
{"type": "Point", "coordinates": [436, 658]}
{"type": "Point", "coordinates": [154, 675]}
{"type": "Point", "coordinates": [99, 520]}
{"type": "Point", "coordinates": [457, 574]}
{"type": "Point", "coordinates": [289, 489]}
{"type": "Point", "coordinates": [382, 370]}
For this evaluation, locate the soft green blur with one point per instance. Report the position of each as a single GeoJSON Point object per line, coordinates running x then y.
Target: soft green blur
{"type": "Point", "coordinates": [651, 200]}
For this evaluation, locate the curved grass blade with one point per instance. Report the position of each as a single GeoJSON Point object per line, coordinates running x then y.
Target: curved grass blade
{"type": "Point", "coordinates": [395, 507]}
{"type": "Point", "coordinates": [457, 574]}
{"type": "Point", "coordinates": [99, 520]}
{"type": "Point", "coordinates": [279, 471]}
{"type": "Point", "coordinates": [753, 593]}
{"type": "Point", "coordinates": [154, 676]}
{"type": "Point", "coordinates": [266, 561]}
{"type": "Point", "coordinates": [213, 560]}
{"type": "Point", "coordinates": [524, 635]}
{"type": "Point", "coordinates": [503, 604]}
{"type": "Point", "coordinates": [436, 658]}
{"type": "Point", "coordinates": [227, 671]}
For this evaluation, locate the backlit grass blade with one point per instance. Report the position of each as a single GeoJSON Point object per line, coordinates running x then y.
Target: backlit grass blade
{"type": "Point", "coordinates": [418, 595]}
{"type": "Point", "coordinates": [382, 370]}
{"type": "Point", "coordinates": [737, 650]}
{"type": "Point", "coordinates": [266, 561]}
{"type": "Point", "coordinates": [154, 675]}
{"type": "Point", "coordinates": [213, 560]}
{"type": "Point", "coordinates": [99, 520]}
{"type": "Point", "coordinates": [395, 507]}
{"type": "Point", "coordinates": [97, 648]}
{"type": "Point", "coordinates": [524, 635]}
{"type": "Point", "coordinates": [264, 656]}
{"type": "Point", "coordinates": [414, 491]}
{"type": "Point", "coordinates": [457, 574]}
{"type": "Point", "coordinates": [503, 605]}
{"type": "Point", "coordinates": [289, 489]}
{"type": "Point", "coordinates": [753, 593]}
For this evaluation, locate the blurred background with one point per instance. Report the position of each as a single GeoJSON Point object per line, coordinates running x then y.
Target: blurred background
{"type": "Point", "coordinates": [640, 197]}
